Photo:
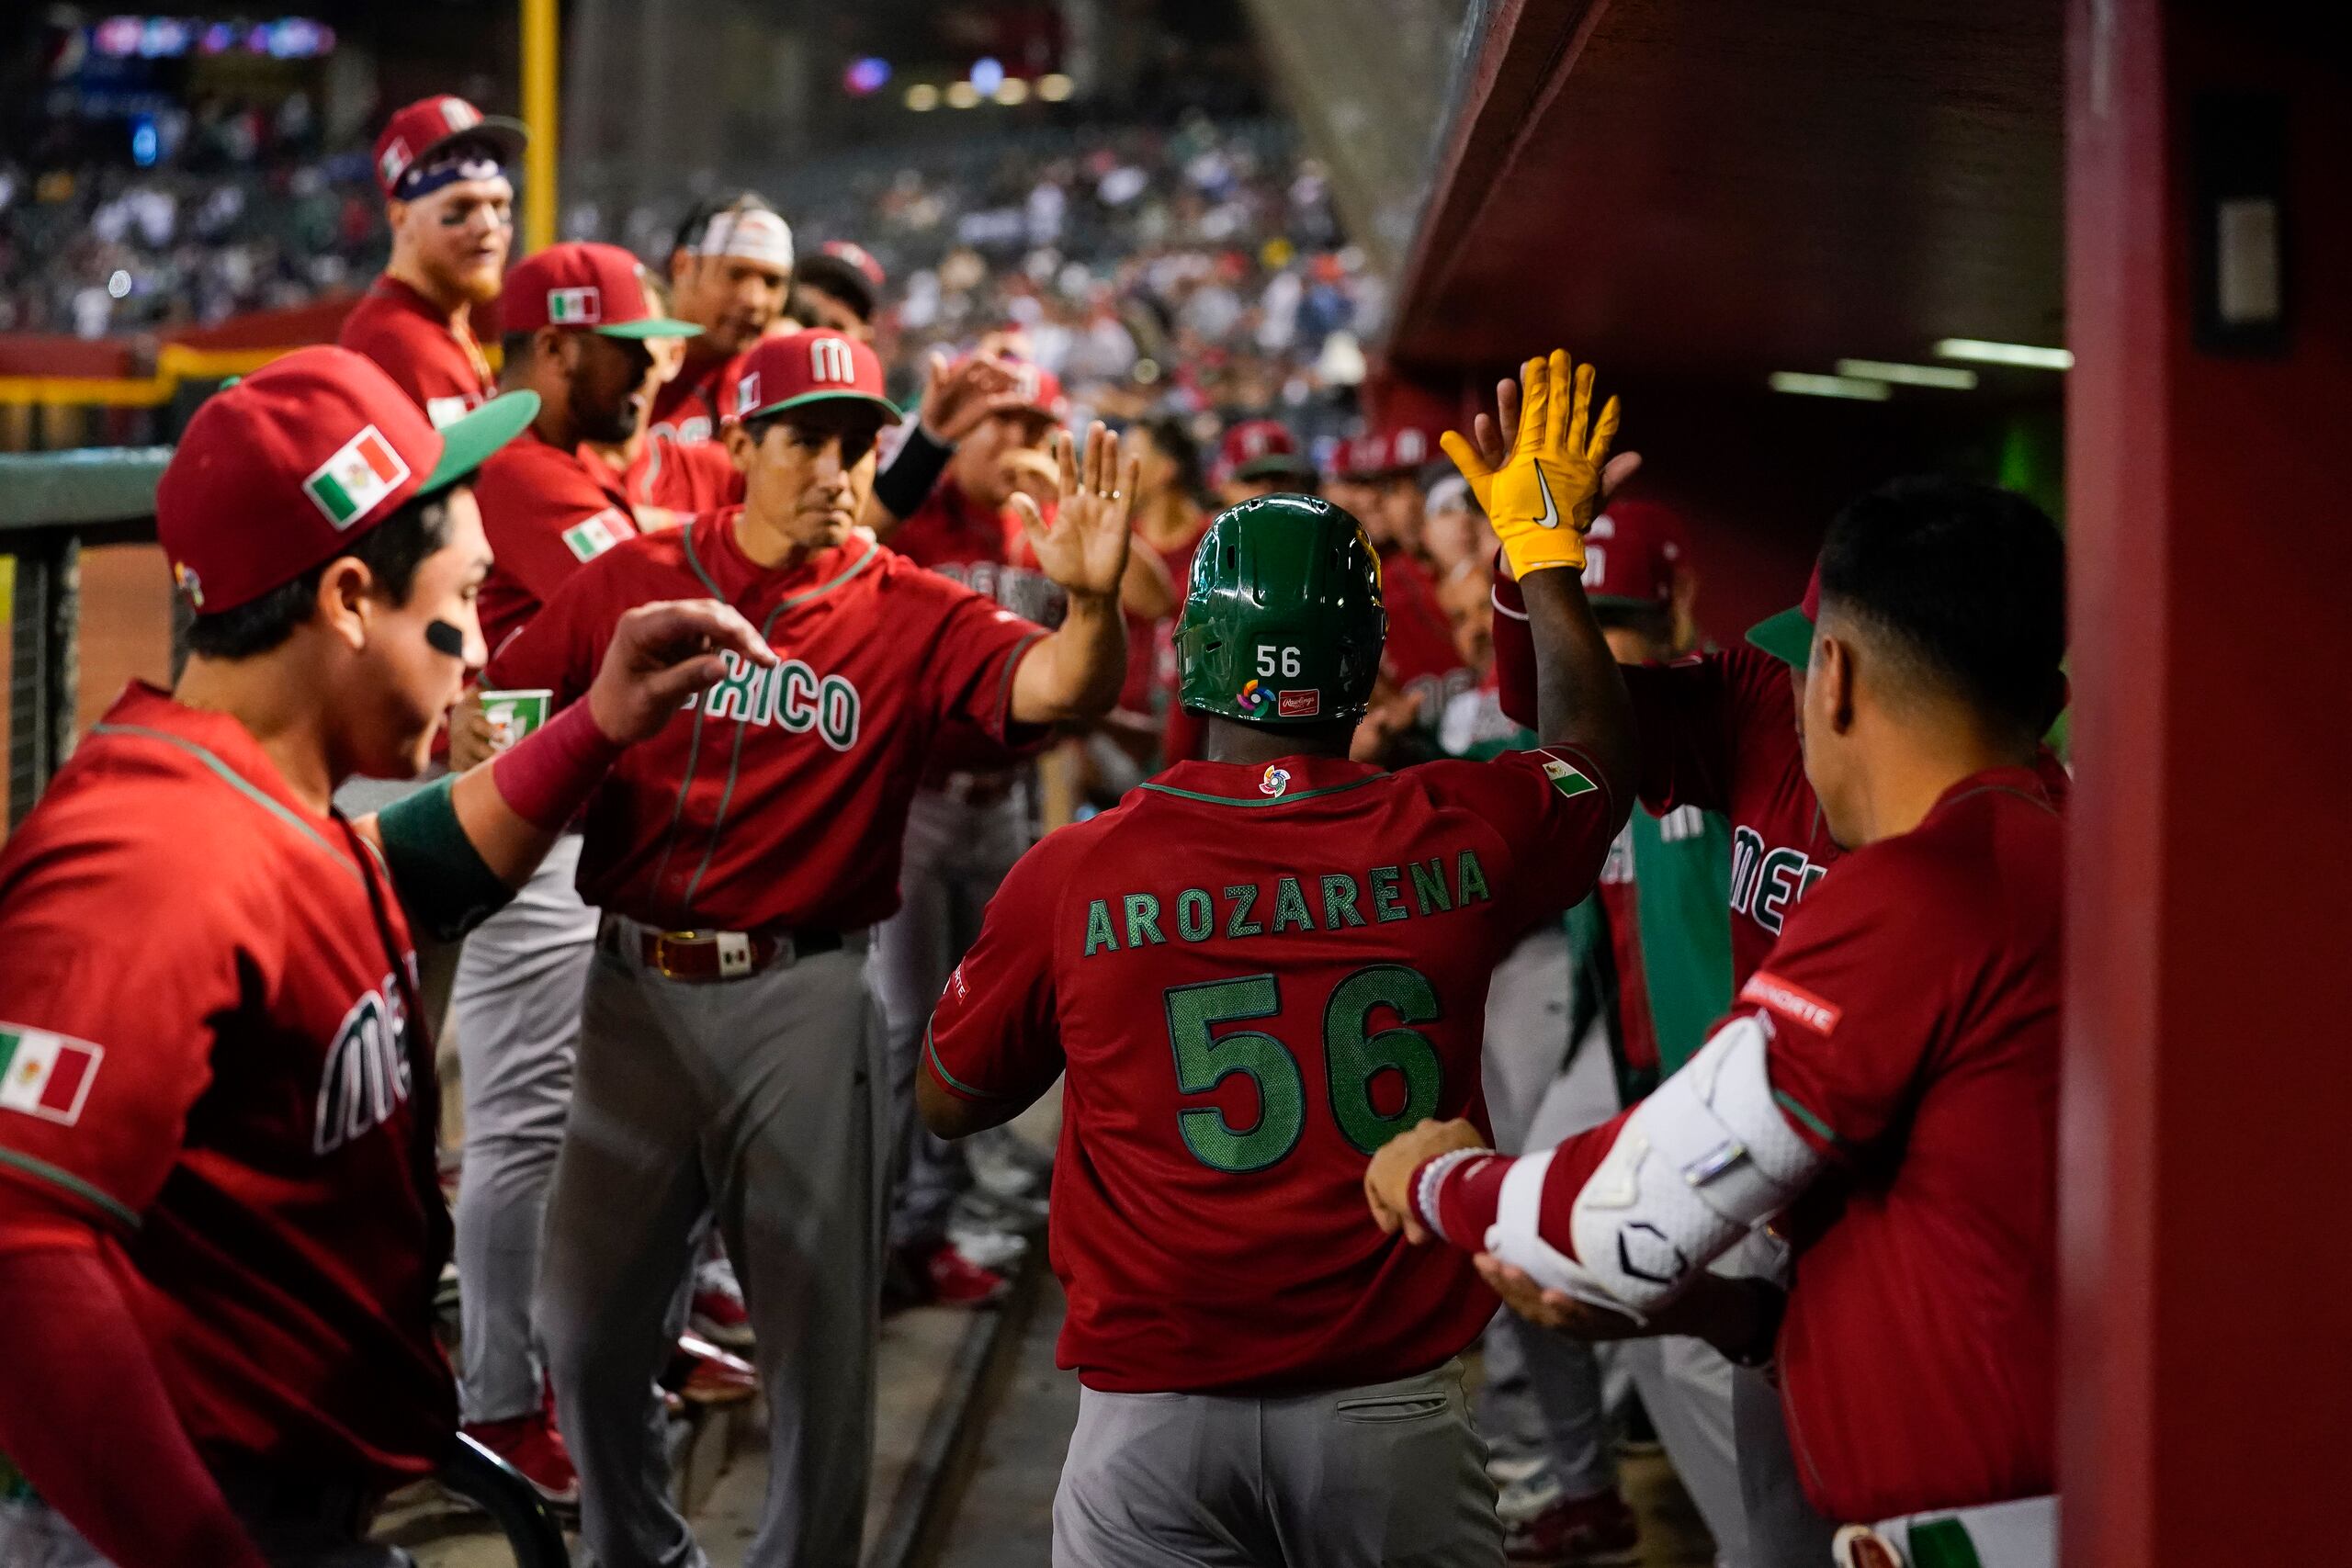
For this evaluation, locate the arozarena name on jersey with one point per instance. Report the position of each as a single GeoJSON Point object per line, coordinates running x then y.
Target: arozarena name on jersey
{"type": "Point", "coordinates": [1763, 884]}
{"type": "Point", "coordinates": [789, 695]}
{"type": "Point", "coordinates": [1342, 898]}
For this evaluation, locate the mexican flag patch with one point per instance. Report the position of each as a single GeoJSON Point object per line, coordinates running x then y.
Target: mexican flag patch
{"type": "Point", "coordinates": [363, 471]}
{"type": "Point", "coordinates": [1565, 779]}
{"type": "Point", "coordinates": [45, 1075]}
{"type": "Point", "coordinates": [598, 534]}
{"type": "Point", "coordinates": [574, 307]}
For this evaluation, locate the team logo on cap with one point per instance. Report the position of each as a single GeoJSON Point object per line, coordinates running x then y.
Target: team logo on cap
{"type": "Point", "coordinates": [581, 306]}
{"type": "Point", "coordinates": [363, 471]}
{"type": "Point", "coordinates": [830, 360]}
{"type": "Point", "coordinates": [394, 162]}
{"type": "Point", "coordinates": [1412, 446]}
{"type": "Point", "coordinates": [460, 115]}
{"type": "Point", "coordinates": [1275, 780]}
{"type": "Point", "coordinates": [747, 393]}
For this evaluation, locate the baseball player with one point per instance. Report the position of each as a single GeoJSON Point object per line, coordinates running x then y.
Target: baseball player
{"type": "Point", "coordinates": [441, 165]}
{"type": "Point", "coordinates": [1888, 1080]}
{"type": "Point", "coordinates": [969, 820]}
{"type": "Point", "coordinates": [1260, 457]}
{"type": "Point", "coordinates": [217, 1172]}
{"type": "Point", "coordinates": [729, 1044]}
{"type": "Point", "coordinates": [578, 330]}
{"type": "Point", "coordinates": [1256, 971]}
{"type": "Point", "coordinates": [839, 286]}
{"type": "Point", "coordinates": [731, 273]}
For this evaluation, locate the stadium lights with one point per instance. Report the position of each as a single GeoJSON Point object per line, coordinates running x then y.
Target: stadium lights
{"type": "Point", "coordinates": [962, 96]}
{"type": "Point", "coordinates": [1909, 375]}
{"type": "Point", "coordinates": [922, 97]}
{"type": "Point", "coordinates": [1054, 88]}
{"type": "Point", "coordinates": [1013, 90]}
{"type": "Point", "coordinates": [2025, 354]}
{"type": "Point", "coordinates": [1797, 383]}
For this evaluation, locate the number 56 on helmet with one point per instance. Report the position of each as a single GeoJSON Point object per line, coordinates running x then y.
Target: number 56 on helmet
{"type": "Point", "coordinates": [1283, 625]}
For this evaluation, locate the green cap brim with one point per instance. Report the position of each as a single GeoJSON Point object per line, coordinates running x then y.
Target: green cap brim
{"type": "Point", "coordinates": [652, 326]}
{"type": "Point", "coordinates": [1787, 636]}
{"type": "Point", "coordinates": [882, 406]}
{"type": "Point", "coordinates": [467, 444]}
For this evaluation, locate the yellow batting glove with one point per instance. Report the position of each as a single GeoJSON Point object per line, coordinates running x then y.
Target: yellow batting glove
{"type": "Point", "coordinates": [1543, 499]}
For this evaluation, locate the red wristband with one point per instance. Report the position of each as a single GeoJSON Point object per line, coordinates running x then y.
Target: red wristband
{"type": "Point", "coordinates": [1455, 1195]}
{"type": "Point", "coordinates": [550, 772]}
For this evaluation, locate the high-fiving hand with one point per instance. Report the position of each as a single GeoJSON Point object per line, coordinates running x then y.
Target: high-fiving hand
{"type": "Point", "coordinates": [1541, 498]}
{"type": "Point", "coordinates": [1084, 550]}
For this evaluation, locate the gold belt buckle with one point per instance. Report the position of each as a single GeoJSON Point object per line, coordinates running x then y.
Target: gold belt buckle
{"type": "Point", "coordinates": [661, 942]}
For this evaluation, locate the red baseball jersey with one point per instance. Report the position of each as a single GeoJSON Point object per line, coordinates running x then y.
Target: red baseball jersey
{"type": "Point", "coordinates": [686, 477]}
{"type": "Point", "coordinates": [1422, 657]}
{"type": "Point", "coordinates": [781, 797]}
{"type": "Point", "coordinates": [987, 551]}
{"type": "Point", "coordinates": [546, 512]}
{"type": "Point", "coordinates": [1912, 1003]}
{"type": "Point", "coordinates": [441, 368]}
{"type": "Point", "coordinates": [1255, 976]}
{"type": "Point", "coordinates": [687, 408]}
{"type": "Point", "coordinates": [1718, 731]}
{"type": "Point", "coordinates": [205, 1047]}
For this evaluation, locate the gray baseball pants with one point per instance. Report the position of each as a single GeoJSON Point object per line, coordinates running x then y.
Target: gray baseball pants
{"type": "Point", "coordinates": [957, 855]}
{"type": "Point", "coordinates": [1390, 1476]}
{"type": "Point", "coordinates": [757, 1098]}
{"type": "Point", "coordinates": [516, 1011]}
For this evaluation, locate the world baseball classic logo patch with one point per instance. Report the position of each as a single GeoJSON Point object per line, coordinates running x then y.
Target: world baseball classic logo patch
{"type": "Point", "coordinates": [46, 1075]}
{"type": "Point", "coordinates": [1790, 1001]}
{"type": "Point", "coordinates": [363, 470]}
{"type": "Point", "coordinates": [1275, 780]}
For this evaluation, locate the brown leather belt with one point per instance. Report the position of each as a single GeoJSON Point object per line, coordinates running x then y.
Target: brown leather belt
{"type": "Point", "coordinates": [717, 955]}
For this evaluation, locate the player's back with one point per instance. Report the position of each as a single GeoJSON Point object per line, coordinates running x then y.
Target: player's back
{"type": "Point", "coordinates": [1259, 975]}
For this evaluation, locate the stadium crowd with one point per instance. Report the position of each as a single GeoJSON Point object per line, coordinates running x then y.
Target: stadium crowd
{"type": "Point", "coordinates": [731, 1086]}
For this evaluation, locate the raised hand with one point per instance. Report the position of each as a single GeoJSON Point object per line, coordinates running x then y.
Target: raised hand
{"type": "Point", "coordinates": [661, 655]}
{"type": "Point", "coordinates": [1493, 437]}
{"type": "Point", "coordinates": [955, 399]}
{"type": "Point", "coordinates": [1084, 550]}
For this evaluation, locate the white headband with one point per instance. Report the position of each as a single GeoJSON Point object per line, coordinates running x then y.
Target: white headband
{"type": "Point", "coordinates": [754, 233]}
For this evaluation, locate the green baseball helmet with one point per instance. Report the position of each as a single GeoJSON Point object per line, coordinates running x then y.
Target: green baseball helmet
{"type": "Point", "coordinates": [1283, 625]}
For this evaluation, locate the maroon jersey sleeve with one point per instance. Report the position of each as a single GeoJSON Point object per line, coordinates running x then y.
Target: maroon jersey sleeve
{"type": "Point", "coordinates": [546, 518]}
{"type": "Point", "coordinates": [1856, 1014]}
{"type": "Point", "coordinates": [977, 646]}
{"type": "Point", "coordinates": [1552, 813]}
{"type": "Point", "coordinates": [1691, 715]}
{"type": "Point", "coordinates": [105, 1040]}
{"type": "Point", "coordinates": [558, 649]}
{"type": "Point", "coordinates": [995, 1035]}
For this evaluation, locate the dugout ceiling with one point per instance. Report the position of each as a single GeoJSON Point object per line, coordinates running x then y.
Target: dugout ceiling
{"type": "Point", "coordinates": [1723, 189]}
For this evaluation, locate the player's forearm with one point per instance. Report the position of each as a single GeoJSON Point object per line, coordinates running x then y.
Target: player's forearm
{"type": "Point", "coordinates": [1074, 673]}
{"type": "Point", "coordinates": [908, 480]}
{"type": "Point", "coordinates": [458, 849]}
{"type": "Point", "coordinates": [1514, 648]}
{"type": "Point", "coordinates": [1581, 697]}
{"type": "Point", "coordinates": [104, 1452]}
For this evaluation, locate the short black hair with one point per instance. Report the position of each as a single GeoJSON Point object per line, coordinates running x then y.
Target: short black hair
{"type": "Point", "coordinates": [1967, 583]}
{"type": "Point", "coordinates": [697, 220]}
{"type": "Point", "coordinates": [830, 415]}
{"type": "Point", "coordinates": [392, 550]}
{"type": "Point", "coordinates": [1171, 435]}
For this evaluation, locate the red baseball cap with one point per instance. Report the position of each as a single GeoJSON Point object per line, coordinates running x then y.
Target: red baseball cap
{"type": "Point", "coordinates": [1259, 449]}
{"type": "Point", "coordinates": [1404, 446]}
{"type": "Point", "coordinates": [1040, 389]}
{"type": "Point", "coordinates": [1789, 635]}
{"type": "Point", "coordinates": [282, 470]}
{"type": "Point", "coordinates": [1360, 457]}
{"type": "Point", "coordinates": [1633, 553]}
{"type": "Point", "coordinates": [414, 137]}
{"type": "Point", "coordinates": [595, 288]}
{"type": "Point", "coordinates": [818, 365]}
